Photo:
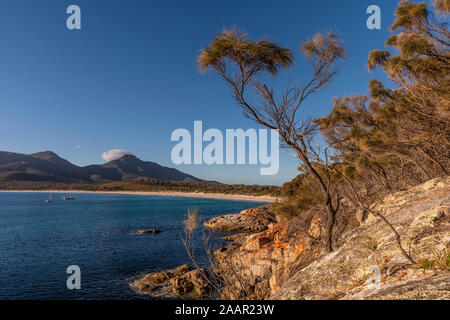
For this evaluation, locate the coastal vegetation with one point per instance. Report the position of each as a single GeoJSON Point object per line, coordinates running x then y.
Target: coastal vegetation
{"type": "Point", "coordinates": [370, 145]}
{"type": "Point", "coordinates": [147, 185]}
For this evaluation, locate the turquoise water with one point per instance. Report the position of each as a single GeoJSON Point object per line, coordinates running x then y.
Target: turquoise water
{"type": "Point", "coordinates": [38, 241]}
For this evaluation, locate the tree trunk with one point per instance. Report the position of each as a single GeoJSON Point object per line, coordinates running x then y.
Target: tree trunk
{"type": "Point", "coordinates": [331, 221]}
{"type": "Point", "coordinates": [331, 211]}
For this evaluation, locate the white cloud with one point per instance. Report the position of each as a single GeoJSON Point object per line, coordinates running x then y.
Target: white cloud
{"type": "Point", "coordinates": [78, 146]}
{"type": "Point", "coordinates": [114, 154]}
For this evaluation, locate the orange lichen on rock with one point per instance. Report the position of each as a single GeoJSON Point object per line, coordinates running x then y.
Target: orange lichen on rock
{"type": "Point", "coordinates": [278, 244]}
{"type": "Point", "coordinates": [264, 240]}
{"type": "Point", "coordinates": [301, 247]}
{"type": "Point", "coordinates": [261, 249]}
{"type": "Point", "coordinates": [258, 242]}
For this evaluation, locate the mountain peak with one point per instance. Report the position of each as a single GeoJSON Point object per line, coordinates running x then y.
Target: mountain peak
{"type": "Point", "coordinates": [129, 156]}
{"type": "Point", "coordinates": [50, 153]}
{"type": "Point", "coordinates": [47, 155]}
{"type": "Point", "coordinates": [48, 166]}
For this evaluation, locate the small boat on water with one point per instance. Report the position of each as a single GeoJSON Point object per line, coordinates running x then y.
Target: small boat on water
{"type": "Point", "coordinates": [69, 197]}
{"type": "Point", "coordinates": [49, 198]}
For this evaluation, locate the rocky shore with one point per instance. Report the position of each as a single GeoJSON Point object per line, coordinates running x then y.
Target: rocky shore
{"type": "Point", "coordinates": [181, 281]}
{"type": "Point", "coordinates": [249, 220]}
{"type": "Point", "coordinates": [270, 257]}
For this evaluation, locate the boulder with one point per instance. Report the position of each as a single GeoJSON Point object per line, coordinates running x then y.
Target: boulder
{"type": "Point", "coordinates": [183, 280]}
{"type": "Point", "coordinates": [161, 276]}
{"type": "Point", "coordinates": [249, 220]}
{"type": "Point", "coordinates": [196, 281]}
{"type": "Point", "coordinates": [154, 281]}
{"type": "Point", "coordinates": [143, 287]}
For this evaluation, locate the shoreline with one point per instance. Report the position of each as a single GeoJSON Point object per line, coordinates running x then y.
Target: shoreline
{"type": "Point", "coordinates": [220, 196]}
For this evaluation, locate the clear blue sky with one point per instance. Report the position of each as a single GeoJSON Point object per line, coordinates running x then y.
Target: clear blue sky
{"type": "Point", "coordinates": [129, 77]}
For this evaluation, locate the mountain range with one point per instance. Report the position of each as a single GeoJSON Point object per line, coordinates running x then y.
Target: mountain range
{"type": "Point", "coordinates": [49, 167]}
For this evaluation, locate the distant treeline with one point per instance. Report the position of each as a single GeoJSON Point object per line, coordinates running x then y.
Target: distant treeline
{"type": "Point", "coordinates": [144, 184]}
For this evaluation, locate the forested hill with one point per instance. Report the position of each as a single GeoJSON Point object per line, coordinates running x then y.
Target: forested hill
{"type": "Point", "coordinates": [49, 167]}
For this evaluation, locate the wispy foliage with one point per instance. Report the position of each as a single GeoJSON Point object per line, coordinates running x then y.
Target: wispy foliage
{"type": "Point", "coordinates": [254, 56]}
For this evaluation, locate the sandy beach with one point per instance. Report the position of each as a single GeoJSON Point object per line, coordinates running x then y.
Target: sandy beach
{"type": "Point", "coordinates": [224, 196]}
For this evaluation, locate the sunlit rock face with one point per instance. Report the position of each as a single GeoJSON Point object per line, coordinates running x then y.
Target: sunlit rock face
{"type": "Point", "coordinates": [421, 216]}
{"type": "Point", "coordinates": [278, 262]}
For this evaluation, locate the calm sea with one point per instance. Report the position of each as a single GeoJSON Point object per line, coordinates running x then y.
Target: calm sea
{"type": "Point", "coordinates": [38, 241]}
